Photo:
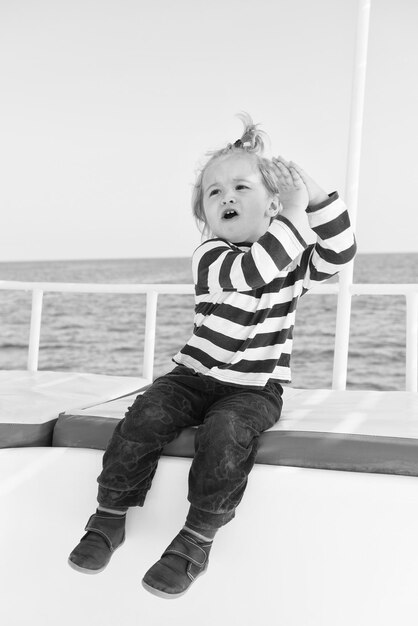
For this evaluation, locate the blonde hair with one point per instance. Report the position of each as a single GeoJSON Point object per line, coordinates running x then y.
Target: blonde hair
{"type": "Point", "coordinates": [252, 143]}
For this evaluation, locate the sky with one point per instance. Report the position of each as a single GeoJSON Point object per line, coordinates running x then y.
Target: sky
{"type": "Point", "coordinates": [108, 107]}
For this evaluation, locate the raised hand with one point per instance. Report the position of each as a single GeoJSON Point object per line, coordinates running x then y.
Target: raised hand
{"type": "Point", "coordinates": [316, 193]}
{"type": "Point", "coordinates": [293, 192]}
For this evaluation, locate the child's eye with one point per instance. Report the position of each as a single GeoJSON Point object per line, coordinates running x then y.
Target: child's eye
{"type": "Point", "coordinates": [239, 187]}
{"type": "Point", "coordinates": [213, 192]}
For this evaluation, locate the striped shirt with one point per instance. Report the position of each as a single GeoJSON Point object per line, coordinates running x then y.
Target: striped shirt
{"type": "Point", "coordinates": [246, 295]}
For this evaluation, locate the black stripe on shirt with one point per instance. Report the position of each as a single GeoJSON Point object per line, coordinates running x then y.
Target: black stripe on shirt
{"type": "Point", "coordinates": [261, 340]}
{"type": "Point", "coordinates": [201, 291]}
{"type": "Point", "coordinates": [275, 249]}
{"type": "Point", "coordinates": [266, 340]}
{"type": "Point", "coordinates": [282, 309]}
{"type": "Point", "coordinates": [260, 366]}
{"type": "Point", "coordinates": [203, 269]}
{"type": "Point", "coordinates": [277, 284]}
{"type": "Point", "coordinates": [318, 276]}
{"type": "Point", "coordinates": [336, 258]}
{"type": "Point", "coordinates": [304, 262]}
{"type": "Point", "coordinates": [205, 308]}
{"type": "Point", "coordinates": [219, 339]}
{"type": "Point", "coordinates": [251, 274]}
{"type": "Point", "coordinates": [281, 282]}
{"type": "Point", "coordinates": [200, 356]}
{"type": "Point", "coordinates": [239, 316]}
{"type": "Point", "coordinates": [334, 227]}
{"type": "Point", "coordinates": [225, 272]}
{"type": "Point", "coordinates": [246, 318]}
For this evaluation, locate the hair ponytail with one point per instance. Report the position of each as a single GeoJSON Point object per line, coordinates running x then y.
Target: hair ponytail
{"type": "Point", "coordinates": [252, 138]}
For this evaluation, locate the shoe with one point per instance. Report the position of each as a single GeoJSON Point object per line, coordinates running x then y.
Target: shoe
{"type": "Point", "coordinates": [105, 533]}
{"type": "Point", "coordinates": [185, 559]}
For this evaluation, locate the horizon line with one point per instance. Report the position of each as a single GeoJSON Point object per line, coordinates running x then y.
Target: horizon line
{"type": "Point", "coordinates": [150, 258]}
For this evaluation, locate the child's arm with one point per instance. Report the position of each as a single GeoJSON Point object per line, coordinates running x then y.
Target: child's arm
{"type": "Point", "coordinates": [221, 266]}
{"type": "Point", "coordinates": [328, 218]}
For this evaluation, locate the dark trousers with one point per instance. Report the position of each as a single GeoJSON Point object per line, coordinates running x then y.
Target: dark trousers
{"type": "Point", "coordinates": [229, 419]}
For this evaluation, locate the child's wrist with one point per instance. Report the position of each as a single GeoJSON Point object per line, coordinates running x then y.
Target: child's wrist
{"type": "Point", "coordinates": [293, 209]}
{"type": "Point", "coordinates": [317, 199]}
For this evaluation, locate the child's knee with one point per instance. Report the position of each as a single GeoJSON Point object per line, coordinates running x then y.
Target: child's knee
{"type": "Point", "coordinates": [143, 418]}
{"type": "Point", "coordinates": [230, 429]}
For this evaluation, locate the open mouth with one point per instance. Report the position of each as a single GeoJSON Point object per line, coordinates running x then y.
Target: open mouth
{"type": "Point", "coordinates": [228, 215]}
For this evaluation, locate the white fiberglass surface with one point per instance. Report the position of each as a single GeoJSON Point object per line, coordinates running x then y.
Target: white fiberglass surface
{"type": "Point", "coordinates": [36, 397]}
{"type": "Point", "coordinates": [307, 548]}
{"type": "Point", "coordinates": [383, 413]}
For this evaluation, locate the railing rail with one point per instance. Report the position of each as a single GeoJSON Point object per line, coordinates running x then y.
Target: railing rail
{"type": "Point", "coordinates": [152, 291]}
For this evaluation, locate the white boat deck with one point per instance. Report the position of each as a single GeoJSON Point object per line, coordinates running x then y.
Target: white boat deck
{"type": "Point", "coordinates": [308, 547]}
{"type": "Point", "coordinates": [30, 402]}
{"type": "Point", "coordinates": [27, 397]}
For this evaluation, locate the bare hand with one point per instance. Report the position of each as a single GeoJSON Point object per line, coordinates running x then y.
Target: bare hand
{"type": "Point", "coordinates": [293, 192]}
{"type": "Point", "coordinates": [316, 193]}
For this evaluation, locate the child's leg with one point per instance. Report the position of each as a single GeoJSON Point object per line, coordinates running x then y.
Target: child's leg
{"type": "Point", "coordinates": [130, 461]}
{"type": "Point", "coordinates": [225, 450]}
{"type": "Point", "coordinates": [226, 446]}
{"type": "Point", "coordinates": [155, 418]}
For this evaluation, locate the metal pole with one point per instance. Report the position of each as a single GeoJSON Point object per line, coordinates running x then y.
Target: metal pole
{"type": "Point", "coordinates": [150, 329]}
{"type": "Point", "coordinates": [35, 330]}
{"type": "Point", "coordinates": [342, 330]}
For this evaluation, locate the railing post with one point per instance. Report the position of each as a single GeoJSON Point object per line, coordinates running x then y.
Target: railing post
{"type": "Point", "coordinates": [150, 329]}
{"type": "Point", "coordinates": [35, 330]}
{"type": "Point", "coordinates": [411, 367]}
{"type": "Point", "coordinates": [342, 331]}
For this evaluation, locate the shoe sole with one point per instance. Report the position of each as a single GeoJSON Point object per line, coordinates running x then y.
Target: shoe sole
{"type": "Point", "coordinates": [86, 570]}
{"type": "Point", "coordinates": [169, 596]}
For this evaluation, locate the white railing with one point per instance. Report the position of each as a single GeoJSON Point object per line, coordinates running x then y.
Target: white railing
{"type": "Point", "coordinates": [152, 291]}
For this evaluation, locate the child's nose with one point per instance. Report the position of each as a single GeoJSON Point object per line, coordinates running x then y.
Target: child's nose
{"type": "Point", "coordinates": [228, 198]}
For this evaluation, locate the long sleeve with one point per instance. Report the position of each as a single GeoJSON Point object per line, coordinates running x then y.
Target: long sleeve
{"type": "Point", "coordinates": [220, 266]}
{"type": "Point", "coordinates": [335, 245]}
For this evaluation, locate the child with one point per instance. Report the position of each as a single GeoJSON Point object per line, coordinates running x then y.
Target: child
{"type": "Point", "coordinates": [249, 275]}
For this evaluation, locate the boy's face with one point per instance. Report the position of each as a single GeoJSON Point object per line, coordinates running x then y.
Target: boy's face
{"type": "Point", "coordinates": [236, 202]}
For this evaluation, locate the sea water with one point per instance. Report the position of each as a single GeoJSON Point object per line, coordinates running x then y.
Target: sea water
{"type": "Point", "coordinates": [103, 333]}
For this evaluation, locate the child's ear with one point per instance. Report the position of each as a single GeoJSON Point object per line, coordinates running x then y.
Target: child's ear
{"type": "Point", "coordinates": [274, 207]}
